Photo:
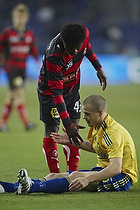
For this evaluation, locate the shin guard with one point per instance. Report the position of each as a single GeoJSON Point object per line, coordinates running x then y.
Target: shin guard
{"type": "Point", "coordinates": [51, 154]}
{"type": "Point", "coordinates": [23, 113]}
{"type": "Point", "coordinates": [72, 157]}
{"type": "Point", "coordinates": [7, 108]}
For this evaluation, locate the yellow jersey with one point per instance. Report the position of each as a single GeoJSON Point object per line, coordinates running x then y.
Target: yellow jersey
{"type": "Point", "coordinates": [113, 141]}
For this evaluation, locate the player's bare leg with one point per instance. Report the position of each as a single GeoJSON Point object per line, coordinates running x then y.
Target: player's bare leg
{"type": "Point", "coordinates": [19, 104]}
{"type": "Point", "coordinates": [56, 175]}
{"type": "Point", "coordinates": [92, 187]}
{"type": "Point", "coordinates": [15, 99]}
{"type": "Point", "coordinates": [6, 111]}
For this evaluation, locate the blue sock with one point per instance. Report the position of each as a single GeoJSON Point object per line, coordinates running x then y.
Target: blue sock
{"type": "Point", "coordinates": [38, 180]}
{"type": "Point", "coordinates": [9, 187]}
{"type": "Point", "coordinates": [12, 187]}
{"type": "Point", "coordinates": [57, 185]}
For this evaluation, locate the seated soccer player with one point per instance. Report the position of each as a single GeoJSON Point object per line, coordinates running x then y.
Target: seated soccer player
{"type": "Point", "coordinates": [117, 164]}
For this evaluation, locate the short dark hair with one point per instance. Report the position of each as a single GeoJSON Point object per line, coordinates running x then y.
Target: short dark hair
{"type": "Point", "coordinates": [95, 102]}
{"type": "Point", "coordinates": [73, 34]}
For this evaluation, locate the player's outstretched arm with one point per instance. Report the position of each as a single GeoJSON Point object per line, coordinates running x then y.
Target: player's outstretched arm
{"type": "Point", "coordinates": [60, 138]}
{"type": "Point", "coordinates": [64, 139]}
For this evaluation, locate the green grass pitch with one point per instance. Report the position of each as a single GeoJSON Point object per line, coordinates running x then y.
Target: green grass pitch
{"type": "Point", "coordinates": [20, 148]}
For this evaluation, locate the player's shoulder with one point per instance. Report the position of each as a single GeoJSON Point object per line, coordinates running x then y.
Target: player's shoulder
{"type": "Point", "coordinates": [53, 43]}
{"type": "Point", "coordinates": [7, 29]}
{"type": "Point", "coordinates": [109, 125]}
{"type": "Point", "coordinates": [29, 30]}
{"type": "Point", "coordinates": [86, 31]}
{"type": "Point", "coordinates": [55, 47]}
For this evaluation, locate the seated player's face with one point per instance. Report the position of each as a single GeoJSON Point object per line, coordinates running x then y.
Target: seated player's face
{"type": "Point", "coordinates": [92, 118]}
{"type": "Point", "coordinates": [72, 50]}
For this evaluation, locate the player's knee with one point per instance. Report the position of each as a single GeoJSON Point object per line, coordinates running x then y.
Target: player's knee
{"type": "Point", "coordinates": [74, 175]}
{"type": "Point", "coordinates": [17, 82]}
{"type": "Point", "coordinates": [50, 128]}
{"type": "Point", "coordinates": [51, 176]}
{"type": "Point", "coordinates": [75, 121]}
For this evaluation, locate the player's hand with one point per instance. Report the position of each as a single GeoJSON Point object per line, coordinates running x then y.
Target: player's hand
{"type": "Point", "coordinates": [102, 77]}
{"type": "Point", "coordinates": [60, 138]}
{"type": "Point", "coordinates": [73, 135]}
{"type": "Point", "coordinates": [78, 184]}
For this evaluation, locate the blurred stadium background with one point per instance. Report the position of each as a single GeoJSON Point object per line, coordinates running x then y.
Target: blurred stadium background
{"type": "Point", "coordinates": [114, 33]}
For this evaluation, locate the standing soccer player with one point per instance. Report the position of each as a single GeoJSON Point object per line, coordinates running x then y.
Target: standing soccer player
{"type": "Point", "coordinates": [58, 85]}
{"type": "Point", "coordinates": [17, 42]}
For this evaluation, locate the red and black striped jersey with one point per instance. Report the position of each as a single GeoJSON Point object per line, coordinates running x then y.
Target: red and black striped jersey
{"type": "Point", "coordinates": [60, 72]}
{"type": "Point", "coordinates": [17, 46]}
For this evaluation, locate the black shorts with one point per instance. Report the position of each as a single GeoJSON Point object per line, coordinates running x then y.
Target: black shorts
{"type": "Point", "coordinates": [16, 78]}
{"type": "Point", "coordinates": [48, 110]}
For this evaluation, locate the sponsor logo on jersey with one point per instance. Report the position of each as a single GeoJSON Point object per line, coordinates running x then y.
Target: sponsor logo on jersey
{"type": "Point", "coordinates": [19, 49]}
{"type": "Point", "coordinates": [14, 39]}
{"type": "Point", "coordinates": [70, 77]}
{"type": "Point", "coordinates": [69, 64]}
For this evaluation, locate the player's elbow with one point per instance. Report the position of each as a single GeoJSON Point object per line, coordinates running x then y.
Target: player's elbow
{"type": "Point", "coordinates": [117, 169]}
{"type": "Point", "coordinates": [116, 165]}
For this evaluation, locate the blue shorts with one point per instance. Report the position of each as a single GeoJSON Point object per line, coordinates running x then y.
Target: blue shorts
{"type": "Point", "coordinates": [120, 182]}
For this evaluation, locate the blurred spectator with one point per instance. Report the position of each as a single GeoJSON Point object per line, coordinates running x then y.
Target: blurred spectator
{"type": "Point", "coordinates": [17, 43]}
{"type": "Point", "coordinates": [45, 14]}
{"type": "Point", "coordinates": [113, 39]}
{"type": "Point", "coordinates": [47, 17]}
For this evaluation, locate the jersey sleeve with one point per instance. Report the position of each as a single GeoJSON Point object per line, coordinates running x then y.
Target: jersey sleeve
{"type": "Point", "coordinates": [115, 148]}
{"type": "Point", "coordinates": [55, 82]}
{"type": "Point", "coordinates": [90, 54]}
